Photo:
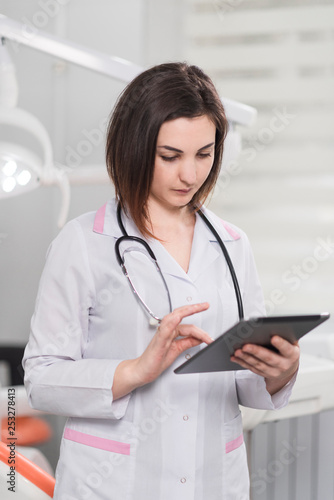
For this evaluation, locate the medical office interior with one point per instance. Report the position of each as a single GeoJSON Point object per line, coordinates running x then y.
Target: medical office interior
{"type": "Point", "coordinates": [273, 64]}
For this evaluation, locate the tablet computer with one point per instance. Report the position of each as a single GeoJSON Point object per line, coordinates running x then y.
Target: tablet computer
{"type": "Point", "coordinates": [215, 357]}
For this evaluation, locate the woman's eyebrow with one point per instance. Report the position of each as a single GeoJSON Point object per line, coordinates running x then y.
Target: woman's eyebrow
{"type": "Point", "coordinates": [207, 146]}
{"type": "Point", "coordinates": [170, 148]}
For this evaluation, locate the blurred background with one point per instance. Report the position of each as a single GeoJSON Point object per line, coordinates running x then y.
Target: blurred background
{"type": "Point", "coordinates": [276, 56]}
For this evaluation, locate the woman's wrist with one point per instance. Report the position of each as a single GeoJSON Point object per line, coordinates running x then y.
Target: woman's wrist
{"type": "Point", "coordinates": [273, 386]}
{"type": "Point", "coordinates": [126, 379]}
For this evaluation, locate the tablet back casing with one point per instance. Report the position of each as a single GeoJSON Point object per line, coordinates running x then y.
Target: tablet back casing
{"type": "Point", "coordinates": [216, 356]}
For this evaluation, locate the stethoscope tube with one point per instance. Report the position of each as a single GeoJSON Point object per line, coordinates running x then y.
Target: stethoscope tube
{"type": "Point", "coordinates": [154, 320]}
{"type": "Point", "coordinates": [126, 237]}
{"type": "Point", "coordinates": [229, 263]}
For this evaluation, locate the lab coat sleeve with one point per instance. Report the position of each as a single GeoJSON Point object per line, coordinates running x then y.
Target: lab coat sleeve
{"type": "Point", "coordinates": [57, 377]}
{"type": "Point", "coordinates": [251, 388]}
{"type": "Point", "coordinates": [252, 392]}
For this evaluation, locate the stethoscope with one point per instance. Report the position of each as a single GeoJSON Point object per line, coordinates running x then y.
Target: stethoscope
{"type": "Point", "coordinates": [155, 320]}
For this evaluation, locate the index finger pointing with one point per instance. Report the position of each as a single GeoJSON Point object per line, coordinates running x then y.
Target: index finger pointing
{"type": "Point", "coordinates": [176, 316]}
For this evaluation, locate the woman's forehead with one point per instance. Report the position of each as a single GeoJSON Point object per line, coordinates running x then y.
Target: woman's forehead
{"type": "Point", "coordinates": [198, 131]}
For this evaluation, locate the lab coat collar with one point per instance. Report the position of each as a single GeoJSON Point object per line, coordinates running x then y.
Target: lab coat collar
{"type": "Point", "coordinates": [203, 251]}
{"type": "Point", "coordinates": [225, 230]}
{"type": "Point", "coordinates": [106, 222]}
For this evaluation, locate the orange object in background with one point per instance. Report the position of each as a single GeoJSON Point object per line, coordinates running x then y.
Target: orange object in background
{"type": "Point", "coordinates": [29, 470]}
{"type": "Point", "coordinates": [28, 431]}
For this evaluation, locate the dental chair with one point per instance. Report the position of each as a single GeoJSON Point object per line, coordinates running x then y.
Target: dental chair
{"type": "Point", "coordinates": [26, 480]}
{"type": "Point", "coordinates": [25, 474]}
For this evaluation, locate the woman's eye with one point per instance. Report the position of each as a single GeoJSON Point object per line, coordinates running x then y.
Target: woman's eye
{"type": "Point", "coordinates": [173, 158]}
{"type": "Point", "coordinates": [168, 158]}
{"type": "Point", "coordinates": [204, 155]}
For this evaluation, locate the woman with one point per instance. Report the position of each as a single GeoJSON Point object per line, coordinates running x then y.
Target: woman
{"type": "Point", "coordinates": [136, 430]}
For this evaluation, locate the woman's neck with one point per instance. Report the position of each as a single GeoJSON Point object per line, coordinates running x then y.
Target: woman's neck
{"type": "Point", "coordinates": [175, 230]}
{"type": "Point", "coordinates": [166, 221]}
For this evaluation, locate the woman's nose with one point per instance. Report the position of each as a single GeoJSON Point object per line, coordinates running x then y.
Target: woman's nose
{"type": "Point", "coordinates": [187, 172]}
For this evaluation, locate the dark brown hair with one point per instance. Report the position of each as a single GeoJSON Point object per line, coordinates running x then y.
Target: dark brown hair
{"type": "Point", "coordinates": [162, 93]}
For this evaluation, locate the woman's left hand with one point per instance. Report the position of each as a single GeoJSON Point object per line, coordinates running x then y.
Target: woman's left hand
{"type": "Point", "coordinates": [277, 369]}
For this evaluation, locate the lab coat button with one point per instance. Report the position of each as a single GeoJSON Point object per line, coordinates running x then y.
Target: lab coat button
{"type": "Point", "coordinates": [183, 480]}
{"type": "Point", "coordinates": [185, 417]}
{"type": "Point", "coordinates": [189, 299]}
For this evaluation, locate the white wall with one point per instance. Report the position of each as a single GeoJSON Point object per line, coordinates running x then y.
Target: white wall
{"type": "Point", "coordinates": [278, 57]}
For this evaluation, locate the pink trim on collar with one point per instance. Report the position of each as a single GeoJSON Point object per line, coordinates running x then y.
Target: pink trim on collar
{"type": "Point", "coordinates": [234, 234]}
{"type": "Point", "coordinates": [99, 219]}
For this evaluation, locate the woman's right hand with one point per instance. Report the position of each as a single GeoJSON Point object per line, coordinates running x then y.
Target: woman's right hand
{"type": "Point", "coordinates": [169, 341]}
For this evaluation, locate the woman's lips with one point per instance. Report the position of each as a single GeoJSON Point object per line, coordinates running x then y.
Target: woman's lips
{"type": "Point", "coordinates": [182, 191]}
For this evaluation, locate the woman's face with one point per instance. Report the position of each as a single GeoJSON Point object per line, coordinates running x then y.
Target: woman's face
{"type": "Point", "coordinates": [183, 160]}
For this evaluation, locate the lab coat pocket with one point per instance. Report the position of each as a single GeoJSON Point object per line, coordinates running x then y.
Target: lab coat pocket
{"type": "Point", "coordinates": [236, 479]}
{"type": "Point", "coordinates": [95, 461]}
{"type": "Point", "coordinates": [97, 442]}
{"type": "Point", "coordinates": [233, 434]}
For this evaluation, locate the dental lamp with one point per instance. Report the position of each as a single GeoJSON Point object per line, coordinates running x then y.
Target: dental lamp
{"type": "Point", "coordinates": [20, 169]}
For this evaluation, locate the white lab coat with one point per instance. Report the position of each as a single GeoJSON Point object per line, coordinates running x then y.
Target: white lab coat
{"type": "Point", "coordinates": [179, 437]}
